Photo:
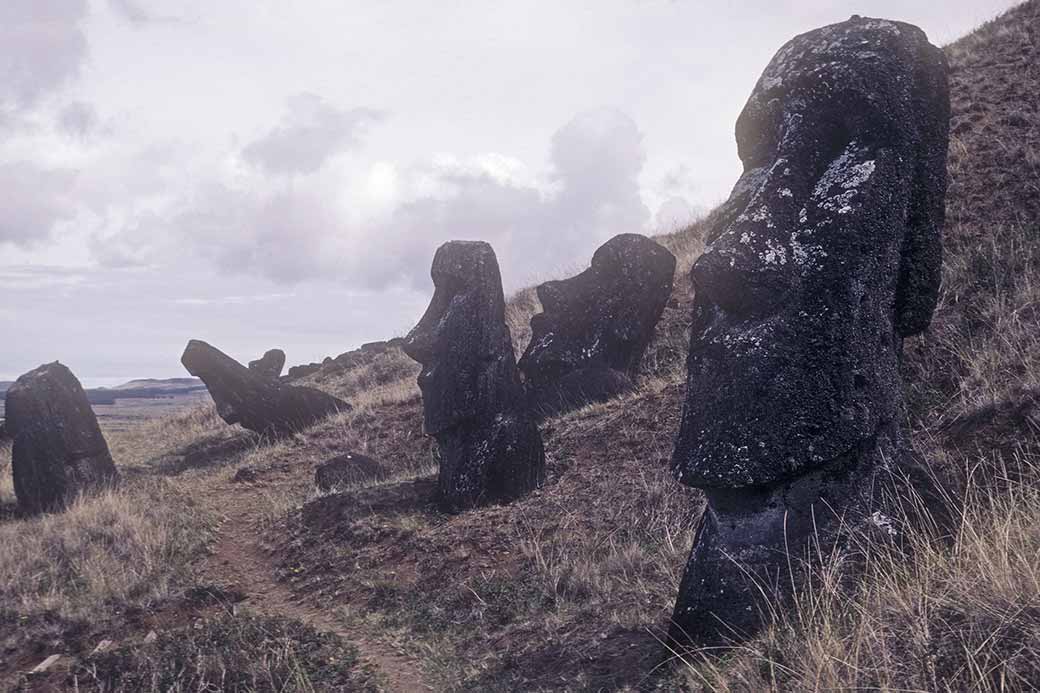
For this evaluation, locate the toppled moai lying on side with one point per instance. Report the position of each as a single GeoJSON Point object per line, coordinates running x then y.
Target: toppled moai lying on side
{"type": "Point", "coordinates": [490, 449]}
{"type": "Point", "coordinates": [825, 257]}
{"type": "Point", "coordinates": [588, 341]}
{"type": "Point", "coordinates": [58, 450]}
{"type": "Point", "coordinates": [257, 402]}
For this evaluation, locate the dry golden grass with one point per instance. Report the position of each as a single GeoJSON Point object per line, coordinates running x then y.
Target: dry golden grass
{"type": "Point", "coordinates": [128, 546]}
{"type": "Point", "coordinates": [520, 307]}
{"type": "Point", "coordinates": [960, 618]}
{"type": "Point", "coordinates": [234, 653]}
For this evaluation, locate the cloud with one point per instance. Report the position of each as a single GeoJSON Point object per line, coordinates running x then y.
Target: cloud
{"type": "Point", "coordinates": [676, 213]}
{"type": "Point", "coordinates": [286, 236]}
{"type": "Point", "coordinates": [311, 132]}
{"type": "Point", "coordinates": [131, 11]}
{"type": "Point", "coordinates": [232, 300]}
{"type": "Point", "coordinates": [33, 200]}
{"type": "Point", "coordinates": [139, 13]}
{"type": "Point", "coordinates": [598, 157]}
{"type": "Point", "coordinates": [246, 222]}
{"type": "Point", "coordinates": [467, 201]}
{"type": "Point", "coordinates": [591, 195]}
{"type": "Point", "coordinates": [17, 278]}
{"type": "Point", "coordinates": [44, 48]}
{"type": "Point", "coordinates": [78, 119]}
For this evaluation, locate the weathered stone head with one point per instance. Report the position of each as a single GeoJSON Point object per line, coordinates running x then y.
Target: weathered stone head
{"type": "Point", "coordinates": [594, 328]}
{"type": "Point", "coordinates": [270, 364]}
{"type": "Point", "coordinates": [462, 340]}
{"type": "Point", "coordinates": [58, 448]}
{"type": "Point", "coordinates": [825, 257]}
{"type": "Point", "coordinates": [473, 400]}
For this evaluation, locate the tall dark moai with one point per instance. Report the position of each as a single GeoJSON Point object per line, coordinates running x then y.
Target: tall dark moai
{"type": "Point", "coordinates": [490, 449]}
{"type": "Point", "coordinates": [826, 255]}
{"type": "Point", "coordinates": [588, 341]}
{"type": "Point", "coordinates": [58, 450]}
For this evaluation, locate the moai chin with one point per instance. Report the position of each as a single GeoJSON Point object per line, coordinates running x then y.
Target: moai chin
{"type": "Point", "coordinates": [826, 255]}
{"type": "Point", "coordinates": [490, 449]}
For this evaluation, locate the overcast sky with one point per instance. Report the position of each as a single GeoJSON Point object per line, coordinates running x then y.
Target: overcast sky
{"type": "Point", "coordinates": [262, 173]}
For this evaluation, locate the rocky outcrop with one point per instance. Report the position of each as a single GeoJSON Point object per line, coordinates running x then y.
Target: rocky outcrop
{"type": "Point", "coordinates": [348, 470]}
{"type": "Point", "coordinates": [58, 450]}
{"type": "Point", "coordinates": [490, 449]}
{"type": "Point", "coordinates": [255, 401]}
{"type": "Point", "coordinates": [588, 341]}
{"type": "Point", "coordinates": [825, 257]}
{"type": "Point", "coordinates": [303, 370]}
{"type": "Point", "coordinates": [349, 360]}
{"type": "Point", "coordinates": [269, 365]}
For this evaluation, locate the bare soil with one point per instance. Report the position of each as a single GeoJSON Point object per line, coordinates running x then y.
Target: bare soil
{"type": "Point", "coordinates": [242, 563]}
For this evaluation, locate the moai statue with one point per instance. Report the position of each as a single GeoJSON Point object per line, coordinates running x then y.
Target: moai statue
{"type": "Point", "coordinates": [588, 341]}
{"type": "Point", "coordinates": [256, 401]}
{"type": "Point", "coordinates": [490, 449]}
{"type": "Point", "coordinates": [826, 256]}
{"type": "Point", "coordinates": [58, 448]}
{"type": "Point", "coordinates": [270, 364]}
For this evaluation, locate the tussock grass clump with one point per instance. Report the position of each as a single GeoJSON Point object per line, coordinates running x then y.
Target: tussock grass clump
{"type": "Point", "coordinates": [150, 445]}
{"type": "Point", "coordinates": [935, 618]}
{"type": "Point", "coordinates": [388, 370]}
{"type": "Point", "coordinates": [130, 546]}
{"type": "Point", "coordinates": [237, 654]}
{"type": "Point", "coordinates": [984, 343]}
{"type": "Point", "coordinates": [520, 307]}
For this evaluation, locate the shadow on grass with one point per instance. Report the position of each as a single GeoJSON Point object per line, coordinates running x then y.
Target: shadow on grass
{"type": "Point", "coordinates": [10, 512]}
{"type": "Point", "coordinates": [210, 452]}
{"type": "Point", "coordinates": [622, 659]}
{"type": "Point", "coordinates": [336, 511]}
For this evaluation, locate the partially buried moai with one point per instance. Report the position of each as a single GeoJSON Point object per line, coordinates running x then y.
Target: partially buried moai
{"type": "Point", "coordinates": [58, 449]}
{"type": "Point", "coordinates": [588, 341]}
{"type": "Point", "coordinates": [826, 255]}
{"type": "Point", "coordinates": [490, 449]}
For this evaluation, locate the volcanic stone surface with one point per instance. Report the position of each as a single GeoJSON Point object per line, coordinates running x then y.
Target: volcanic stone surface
{"type": "Point", "coordinates": [826, 255]}
{"type": "Point", "coordinates": [490, 449]}
{"type": "Point", "coordinates": [348, 469]}
{"type": "Point", "coordinates": [270, 364]}
{"type": "Point", "coordinates": [58, 450]}
{"type": "Point", "coordinates": [589, 339]}
{"type": "Point", "coordinates": [255, 401]}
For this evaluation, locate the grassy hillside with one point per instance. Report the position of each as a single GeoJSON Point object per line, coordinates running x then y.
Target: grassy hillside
{"type": "Point", "coordinates": [571, 587]}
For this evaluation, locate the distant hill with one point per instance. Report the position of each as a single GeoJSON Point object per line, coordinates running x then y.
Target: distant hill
{"type": "Point", "coordinates": [142, 388]}
{"type": "Point", "coordinates": [146, 388]}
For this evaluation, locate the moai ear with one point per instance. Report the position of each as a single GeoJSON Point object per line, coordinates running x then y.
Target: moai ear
{"type": "Point", "coordinates": [920, 270]}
